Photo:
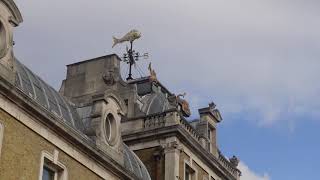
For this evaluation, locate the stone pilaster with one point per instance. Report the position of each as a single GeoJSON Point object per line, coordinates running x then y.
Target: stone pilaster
{"type": "Point", "coordinates": [172, 153]}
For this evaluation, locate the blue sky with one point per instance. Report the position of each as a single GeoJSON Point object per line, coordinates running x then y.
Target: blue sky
{"type": "Point", "coordinates": [257, 60]}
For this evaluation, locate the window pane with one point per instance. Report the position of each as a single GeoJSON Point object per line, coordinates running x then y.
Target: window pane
{"type": "Point", "coordinates": [47, 174]}
{"type": "Point", "coordinates": [187, 173]}
{"type": "Point", "coordinates": [187, 176]}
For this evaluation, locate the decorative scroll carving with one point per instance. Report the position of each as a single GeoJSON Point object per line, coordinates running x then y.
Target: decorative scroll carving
{"type": "Point", "coordinates": [178, 101]}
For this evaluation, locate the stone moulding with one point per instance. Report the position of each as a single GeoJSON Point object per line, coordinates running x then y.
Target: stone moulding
{"type": "Point", "coordinates": [17, 17]}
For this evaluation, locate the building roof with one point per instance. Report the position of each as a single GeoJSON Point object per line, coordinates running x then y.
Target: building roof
{"type": "Point", "coordinates": [34, 87]}
{"type": "Point", "coordinates": [154, 103]}
{"type": "Point", "coordinates": [134, 164]}
{"type": "Point", "coordinates": [47, 97]}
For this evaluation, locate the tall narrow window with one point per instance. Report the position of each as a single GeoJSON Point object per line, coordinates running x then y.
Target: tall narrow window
{"type": "Point", "coordinates": [51, 168]}
{"type": "Point", "coordinates": [209, 139]}
{"type": "Point", "coordinates": [48, 174]}
{"type": "Point", "coordinates": [189, 173]}
{"type": "Point", "coordinates": [51, 171]}
{"type": "Point", "coordinates": [1, 136]}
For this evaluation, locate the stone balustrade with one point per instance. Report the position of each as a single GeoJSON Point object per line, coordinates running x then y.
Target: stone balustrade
{"type": "Point", "coordinates": [162, 119]}
{"type": "Point", "coordinates": [226, 163]}
{"type": "Point", "coordinates": [155, 121]}
{"type": "Point", "coordinates": [186, 125]}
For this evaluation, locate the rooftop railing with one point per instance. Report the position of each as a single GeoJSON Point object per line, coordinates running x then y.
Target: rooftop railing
{"type": "Point", "coordinates": [226, 163]}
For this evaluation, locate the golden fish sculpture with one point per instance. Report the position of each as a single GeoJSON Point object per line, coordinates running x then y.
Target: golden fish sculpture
{"type": "Point", "coordinates": [130, 36]}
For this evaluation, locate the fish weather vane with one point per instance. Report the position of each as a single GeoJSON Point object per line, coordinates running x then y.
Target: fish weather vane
{"type": "Point", "coordinates": [130, 57]}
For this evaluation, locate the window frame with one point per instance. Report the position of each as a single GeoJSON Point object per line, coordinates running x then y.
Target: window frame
{"type": "Point", "coordinates": [1, 136]}
{"type": "Point", "coordinates": [193, 173]}
{"type": "Point", "coordinates": [51, 162]}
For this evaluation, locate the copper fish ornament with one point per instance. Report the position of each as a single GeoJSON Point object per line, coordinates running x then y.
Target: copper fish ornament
{"type": "Point", "coordinates": [130, 36]}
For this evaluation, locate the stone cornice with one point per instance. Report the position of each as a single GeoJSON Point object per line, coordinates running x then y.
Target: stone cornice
{"type": "Point", "coordinates": [184, 136]}
{"type": "Point", "coordinates": [17, 17]}
{"type": "Point", "coordinates": [149, 116]}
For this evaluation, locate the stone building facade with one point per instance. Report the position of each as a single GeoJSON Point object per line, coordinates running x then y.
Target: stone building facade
{"type": "Point", "coordinates": [47, 136]}
{"type": "Point", "coordinates": [171, 146]}
{"type": "Point", "coordinates": [99, 126]}
{"type": "Point", "coordinates": [154, 125]}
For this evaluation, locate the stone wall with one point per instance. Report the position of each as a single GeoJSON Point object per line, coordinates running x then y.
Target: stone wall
{"type": "Point", "coordinates": [22, 148]}
{"type": "Point", "coordinates": [201, 173]}
{"type": "Point", "coordinates": [154, 162]}
{"type": "Point", "coordinates": [183, 158]}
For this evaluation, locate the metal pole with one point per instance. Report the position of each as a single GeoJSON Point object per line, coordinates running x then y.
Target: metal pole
{"type": "Point", "coordinates": [131, 61]}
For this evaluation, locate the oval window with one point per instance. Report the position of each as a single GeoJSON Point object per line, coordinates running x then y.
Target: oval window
{"type": "Point", "coordinates": [3, 40]}
{"type": "Point", "coordinates": [111, 129]}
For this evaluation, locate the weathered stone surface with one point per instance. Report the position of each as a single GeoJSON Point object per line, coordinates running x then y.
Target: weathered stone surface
{"type": "Point", "coordinates": [154, 160]}
{"type": "Point", "coordinates": [21, 154]}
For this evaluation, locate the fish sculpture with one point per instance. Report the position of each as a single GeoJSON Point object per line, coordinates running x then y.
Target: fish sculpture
{"type": "Point", "coordinates": [130, 36]}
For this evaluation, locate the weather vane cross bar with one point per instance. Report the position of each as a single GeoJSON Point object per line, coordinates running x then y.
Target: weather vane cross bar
{"type": "Point", "coordinates": [130, 57]}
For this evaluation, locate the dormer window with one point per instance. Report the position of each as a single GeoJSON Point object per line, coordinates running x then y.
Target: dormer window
{"type": "Point", "coordinates": [209, 139]}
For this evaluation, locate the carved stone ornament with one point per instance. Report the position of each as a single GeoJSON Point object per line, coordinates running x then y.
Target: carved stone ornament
{"type": "Point", "coordinates": [173, 100]}
{"type": "Point", "coordinates": [153, 74]}
{"type": "Point", "coordinates": [185, 107]}
{"type": "Point", "coordinates": [178, 101]}
{"type": "Point", "coordinates": [172, 146]}
{"type": "Point", "coordinates": [109, 78]}
{"type": "Point", "coordinates": [3, 39]}
{"type": "Point", "coordinates": [234, 161]}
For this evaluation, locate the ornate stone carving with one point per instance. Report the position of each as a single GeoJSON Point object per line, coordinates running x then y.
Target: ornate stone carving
{"type": "Point", "coordinates": [172, 146]}
{"type": "Point", "coordinates": [3, 39]}
{"type": "Point", "coordinates": [178, 101]}
{"type": "Point", "coordinates": [234, 161]}
{"type": "Point", "coordinates": [173, 100]}
{"type": "Point", "coordinates": [109, 78]}
{"type": "Point", "coordinates": [153, 74]}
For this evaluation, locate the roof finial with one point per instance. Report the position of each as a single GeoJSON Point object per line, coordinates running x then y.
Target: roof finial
{"type": "Point", "coordinates": [212, 105]}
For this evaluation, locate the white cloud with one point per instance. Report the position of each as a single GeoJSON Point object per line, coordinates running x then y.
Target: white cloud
{"type": "Point", "coordinates": [248, 174]}
{"type": "Point", "coordinates": [253, 57]}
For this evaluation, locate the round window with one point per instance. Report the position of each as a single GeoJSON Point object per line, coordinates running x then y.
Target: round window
{"type": "Point", "coordinates": [3, 40]}
{"type": "Point", "coordinates": [110, 129]}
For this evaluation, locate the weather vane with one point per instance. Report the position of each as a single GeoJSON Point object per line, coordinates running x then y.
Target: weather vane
{"type": "Point", "coordinates": [130, 57]}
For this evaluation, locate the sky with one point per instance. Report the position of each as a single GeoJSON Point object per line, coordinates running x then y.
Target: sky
{"type": "Point", "coordinates": [258, 60]}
